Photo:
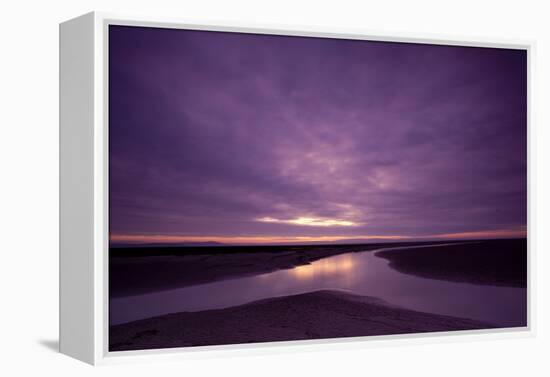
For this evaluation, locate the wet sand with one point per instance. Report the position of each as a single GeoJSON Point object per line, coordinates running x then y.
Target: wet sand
{"type": "Point", "coordinates": [315, 315]}
{"type": "Point", "coordinates": [490, 262]}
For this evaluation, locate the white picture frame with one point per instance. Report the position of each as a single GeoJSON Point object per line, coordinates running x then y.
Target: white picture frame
{"type": "Point", "coordinates": [84, 189]}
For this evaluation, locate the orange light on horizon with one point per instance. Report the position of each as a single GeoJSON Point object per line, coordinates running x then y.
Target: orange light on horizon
{"type": "Point", "coordinates": [270, 239]}
{"type": "Point", "coordinates": [159, 238]}
{"type": "Point", "coordinates": [500, 233]}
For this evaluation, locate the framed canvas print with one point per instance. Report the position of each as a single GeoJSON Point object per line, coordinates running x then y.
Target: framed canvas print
{"type": "Point", "coordinates": [225, 187]}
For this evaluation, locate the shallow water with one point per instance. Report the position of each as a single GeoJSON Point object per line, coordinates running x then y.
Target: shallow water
{"type": "Point", "coordinates": [362, 273]}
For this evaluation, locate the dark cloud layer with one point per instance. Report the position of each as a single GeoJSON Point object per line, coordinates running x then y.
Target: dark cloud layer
{"type": "Point", "coordinates": [210, 132]}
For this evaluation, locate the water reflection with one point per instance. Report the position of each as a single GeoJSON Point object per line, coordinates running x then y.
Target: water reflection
{"type": "Point", "coordinates": [325, 268]}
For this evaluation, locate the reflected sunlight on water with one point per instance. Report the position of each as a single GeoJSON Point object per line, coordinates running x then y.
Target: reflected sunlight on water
{"type": "Point", "coordinates": [325, 268]}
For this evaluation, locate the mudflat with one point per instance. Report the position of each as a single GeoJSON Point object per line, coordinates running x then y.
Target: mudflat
{"type": "Point", "coordinates": [314, 315]}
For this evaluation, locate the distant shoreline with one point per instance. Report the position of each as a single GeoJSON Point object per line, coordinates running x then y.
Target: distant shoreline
{"type": "Point", "coordinates": [134, 271]}
{"type": "Point", "coordinates": [126, 250]}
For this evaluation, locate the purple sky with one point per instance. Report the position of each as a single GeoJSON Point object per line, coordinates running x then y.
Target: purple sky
{"type": "Point", "coordinates": [242, 137]}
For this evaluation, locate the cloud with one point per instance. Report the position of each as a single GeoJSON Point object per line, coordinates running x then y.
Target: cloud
{"type": "Point", "coordinates": [210, 132]}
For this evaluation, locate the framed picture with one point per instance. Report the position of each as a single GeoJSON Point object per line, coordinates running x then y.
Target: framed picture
{"type": "Point", "coordinates": [226, 187]}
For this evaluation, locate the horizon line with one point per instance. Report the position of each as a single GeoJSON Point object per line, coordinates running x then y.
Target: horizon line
{"type": "Point", "coordinates": [138, 239]}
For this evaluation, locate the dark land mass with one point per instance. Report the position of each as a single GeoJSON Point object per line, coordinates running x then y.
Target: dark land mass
{"type": "Point", "coordinates": [130, 246]}
{"type": "Point", "coordinates": [139, 270]}
{"type": "Point", "coordinates": [208, 248]}
{"type": "Point", "coordinates": [489, 262]}
{"type": "Point", "coordinates": [315, 315]}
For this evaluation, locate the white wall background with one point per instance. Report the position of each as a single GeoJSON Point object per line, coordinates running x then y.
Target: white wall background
{"type": "Point", "coordinates": [29, 186]}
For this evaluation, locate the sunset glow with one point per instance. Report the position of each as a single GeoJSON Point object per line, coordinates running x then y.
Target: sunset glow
{"type": "Point", "coordinates": [308, 221]}
{"type": "Point", "coordinates": [266, 239]}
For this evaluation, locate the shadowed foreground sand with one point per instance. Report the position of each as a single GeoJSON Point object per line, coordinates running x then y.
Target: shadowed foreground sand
{"type": "Point", "coordinates": [314, 315]}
